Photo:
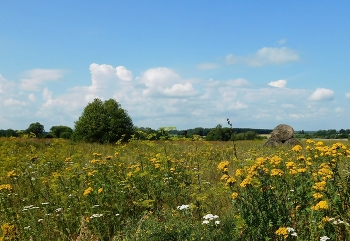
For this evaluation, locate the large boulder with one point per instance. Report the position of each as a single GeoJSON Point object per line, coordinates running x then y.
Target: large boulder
{"type": "Point", "coordinates": [282, 135]}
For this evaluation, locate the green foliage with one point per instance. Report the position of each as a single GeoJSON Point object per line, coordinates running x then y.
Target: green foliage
{"type": "Point", "coordinates": [61, 131]}
{"type": "Point", "coordinates": [36, 128]}
{"type": "Point", "coordinates": [219, 133]}
{"type": "Point", "coordinates": [104, 122]}
{"type": "Point", "coordinates": [8, 133]}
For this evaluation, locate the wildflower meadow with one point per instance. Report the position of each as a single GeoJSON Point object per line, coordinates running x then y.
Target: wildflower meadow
{"type": "Point", "coordinates": [181, 189]}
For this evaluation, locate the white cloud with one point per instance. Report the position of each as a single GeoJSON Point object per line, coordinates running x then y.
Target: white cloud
{"type": "Point", "coordinates": [31, 97]}
{"type": "Point", "coordinates": [123, 73]}
{"type": "Point", "coordinates": [347, 95]}
{"type": "Point", "coordinates": [288, 106]}
{"type": "Point", "coordinates": [238, 82]}
{"type": "Point", "coordinates": [207, 66]}
{"type": "Point", "coordinates": [322, 94]}
{"type": "Point", "coordinates": [165, 82]}
{"type": "Point", "coordinates": [162, 97]}
{"type": "Point", "coordinates": [34, 78]}
{"type": "Point", "coordinates": [278, 84]}
{"type": "Point", "coordinates": [47, 94]}
{"type": "Point", "coordinates": [265, 56]}
{"type": "Point", "coordinates": [13, 102]}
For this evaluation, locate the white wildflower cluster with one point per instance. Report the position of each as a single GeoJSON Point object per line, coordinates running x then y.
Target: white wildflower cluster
{"type": "Point", "coordinates": [29, 207]}
{"type": "Point", "coordinates": [338, 221]}
{"type": "Point", "coordinates": [96, 215]}
{"type": "Point", "coordinates": [292, 232]}
{"type": "Point", "coordinates": [210, 217]}
{"type": "Point", "coordinates": [324, 238]}
{"type": "Point", "coordinates": [183, 207]}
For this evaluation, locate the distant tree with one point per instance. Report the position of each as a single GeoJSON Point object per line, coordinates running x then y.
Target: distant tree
{"type": "Point", "coordinates": [8, 133]}
{"type": "Point", "coordinates": [219, 133]}
{"type": "Point", "coordinates": [104, 122]}
{"type": "Point", "coordinates": [36, 128]}
{"type": "Point", "coordinates": [61, 131]}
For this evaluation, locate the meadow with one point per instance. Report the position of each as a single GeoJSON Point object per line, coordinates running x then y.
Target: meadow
{"type": "Point", "coordinates": [186, 189]}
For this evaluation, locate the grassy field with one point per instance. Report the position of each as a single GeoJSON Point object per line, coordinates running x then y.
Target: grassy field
{"type": "Point", "coordinates": [173, 190]}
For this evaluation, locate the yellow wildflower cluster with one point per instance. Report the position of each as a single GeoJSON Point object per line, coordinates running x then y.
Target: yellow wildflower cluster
{"type": "Point", "coordinates": [88, 191]}
{"type": "Point", "coordinates": [9, 232]}
{"type": "Point", "coordinates": [320, 205]}
{"type": "Point", "coordinates": [282, 231]}
{"type": "Point", "coordinates": [11, 174]}
{"type": "Point", "coordinates": [7, 187]}
{"type": "Point", "coordinates": [223, 165]}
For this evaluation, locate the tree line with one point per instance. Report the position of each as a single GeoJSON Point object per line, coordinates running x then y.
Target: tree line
{"type": "Point", "coordinates": [107, 122]}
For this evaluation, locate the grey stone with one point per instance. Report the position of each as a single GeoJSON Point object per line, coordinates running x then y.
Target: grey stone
{"type": "Point", "coordinates": [282, 133]}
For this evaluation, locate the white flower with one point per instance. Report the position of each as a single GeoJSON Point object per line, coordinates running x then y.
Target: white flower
{"type": "Point", "coordinates": [97, 215]}
{"type": "Point", "coordinates": [217, 222]}
{"type": "Point", "coordinates": [324, 238]}
{"type": "Point", "coordinates": [184, 206]}
{"type": "Point", "coordinates": [210, 216]}
{"type": "Point", "coordinates": [28, 227]}
{"type": "Point", "coordinates": [58, 210]}
{"type": "Point", "coordinates": [205, 221]}
{"type": "Point", "coordinates": [117, 214]}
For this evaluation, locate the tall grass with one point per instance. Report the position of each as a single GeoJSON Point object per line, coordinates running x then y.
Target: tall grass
{"type": "Point", "coordinates": [173, 190]}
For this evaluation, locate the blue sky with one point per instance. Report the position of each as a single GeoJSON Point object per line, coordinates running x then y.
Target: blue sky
{"type": "Point", "coordinates": [177, 63]}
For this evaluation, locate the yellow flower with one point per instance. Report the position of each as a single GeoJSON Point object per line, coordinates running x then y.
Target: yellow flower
{"type": "Point", "coordinates": [275, 160]}
{"type": "Point", "coordinates": [6, 187]}
{"type": "Point", "coordinates": [320, 143]}
{"type": "Point", "coordinates": [234, 195]}
{"type": "Point", "coordinates": [320, 205]}
{"type": "Point", "coordinates": [297, 148]}
{"type": "Point", "coordinates": [224, 177]}
{"type": "Point", "coordinates": [9, 232]}
{"type": "Point", "coordinates": [11, 173]}
{"type": "Point", "coordinates": [319, 186]}
{"type": "Point", "coordinates": [301, 170]}
{"type": "Point", "coordinates": [92, 173]}
{"type": "Point", "coordinates": [283, 231]}
{"type": "Point", "coordinates": [88, 191]}
{"type": "Point", "coordinates": [325, 219]}
{"type": "Point", "coordinates": [246, 181]}
{"type": "Point", "coordinates": [239, 172]}
{"type": "Point", "coordinates": [276, 172]}
{"type": "Point", "coordinates": [317, 195]}
{"type": "Point", "coordinates": [309, 141]}
{"type": "Point", "coordinates": [230, 180]}
{"type": "Point", "coordinates": [100, 190]}
{"type": "Point", "coordinates": [223, 165]}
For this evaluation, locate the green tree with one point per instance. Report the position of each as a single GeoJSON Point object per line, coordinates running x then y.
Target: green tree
{"type": "Point", "coordinates": [61, 131]}
{"type": "Point", "coordinates": [219, 133]}
{"type": "Point", "coordinates": [103, 121]}
{"type": "Point", "coordinates": [36, 128]}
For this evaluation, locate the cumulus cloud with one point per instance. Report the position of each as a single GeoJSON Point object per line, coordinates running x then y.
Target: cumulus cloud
{"type": "Point", "coordinates": [34, 78]}
{"type": "Point", "coordinates": [278, 84]}
{"type": "Point", "coordinates": [265, 56]}
{"type": "Point", "coordinates": [13, 102]}
{"type": "Point", "coordinates": [165, 82]}
{"type": "Point", "coordinates": [347, 95]}
{"type": "Point", "coordinates": [322, 94]}
{"type": "Point", "coordinates": [207, 66]}
{"type": "Point", "coordinates": [123, 73]}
